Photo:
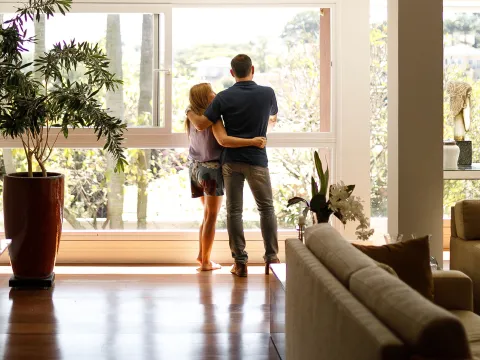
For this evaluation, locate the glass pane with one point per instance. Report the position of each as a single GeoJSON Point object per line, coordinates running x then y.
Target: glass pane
{"type": "Point", "coordinates": [290, 171]}
{"type": "Point", "coordinates": [378, 120]}
{"type": "Point", "coordinates": [151, 194]}
{"type": "Point", "coordinates": [457, 190]}
{"type": "Point", "coordinates": [127, 39]}
{"type": "Point", "coordinates": [461, 39]}
{"type": "Point", "coordinates": [161, 74]}
{"type": "Point", "coordinates": [461, 64]}
{"type": "Point", "coordinates": [285, 54]}
{"type": "Point", "coordinates": [154, 192]}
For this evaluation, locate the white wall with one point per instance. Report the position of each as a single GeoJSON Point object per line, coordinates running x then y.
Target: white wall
{"type": "Point", "coordinates": [415, 129]}
{"type": "Point", "coordinates": [353, 99]}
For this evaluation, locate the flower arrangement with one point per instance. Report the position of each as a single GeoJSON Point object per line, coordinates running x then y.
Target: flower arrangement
{"type": "Point", "coordinates": [340, 203]}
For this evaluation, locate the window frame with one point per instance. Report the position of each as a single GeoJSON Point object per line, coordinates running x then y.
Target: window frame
{"type": "Point", "coordinates": [160, 137]}
{"type": "Point", "coordinates": [156, 137]}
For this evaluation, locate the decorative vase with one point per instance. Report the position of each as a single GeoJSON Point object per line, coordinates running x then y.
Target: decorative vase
{"type": "Point", "coordinates": [451, 152]}
{"type": "Point", "coordinates": [465, 157]}
{"type": "Point", "coordinates": [33, 216]}
{"type": "Point", "coordinates": [322, 216]}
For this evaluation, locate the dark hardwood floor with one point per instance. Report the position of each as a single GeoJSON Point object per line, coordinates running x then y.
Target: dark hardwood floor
{"type": "Point", "coordinates": [135, 317]}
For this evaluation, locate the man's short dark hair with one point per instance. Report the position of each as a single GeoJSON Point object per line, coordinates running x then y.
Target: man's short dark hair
{"type": "Point", "coordinates": [241, 65]}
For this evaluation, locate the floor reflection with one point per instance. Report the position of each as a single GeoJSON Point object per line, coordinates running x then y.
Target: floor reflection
{"type": "Point", "coordinates": [111, 322]}
{"type": "Point", "coordinates": [138, 317]}
{"type": "Point", "coordinates": [211, 321]}
{"type": "Point", "coordinates": [32, 325]}
{"type": "Point", "coordinates": [149, 308]}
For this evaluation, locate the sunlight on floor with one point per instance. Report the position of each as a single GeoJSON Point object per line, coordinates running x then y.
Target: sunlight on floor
{"type": "Point", "coordinates": [138, 270]}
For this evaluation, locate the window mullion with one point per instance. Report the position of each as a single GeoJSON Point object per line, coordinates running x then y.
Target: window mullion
{"type": "Point", "coordinates": [156, 64]}
{"type": "Point", "coordinates": [168, 74]}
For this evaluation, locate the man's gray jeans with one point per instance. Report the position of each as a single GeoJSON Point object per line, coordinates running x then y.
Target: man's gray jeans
{"type": "Point", "coordinates": [258, 178]}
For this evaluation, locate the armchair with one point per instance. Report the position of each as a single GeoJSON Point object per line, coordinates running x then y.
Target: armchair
{"type": "Point", "coordinates": [465, 243]}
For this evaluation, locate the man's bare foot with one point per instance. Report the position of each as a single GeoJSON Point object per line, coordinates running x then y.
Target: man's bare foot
{"type": "Point", "coordinates": [209, 266]}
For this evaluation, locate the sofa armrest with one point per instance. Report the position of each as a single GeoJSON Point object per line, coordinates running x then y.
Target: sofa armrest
{"type": "Point", "coordinates": [453, 290]}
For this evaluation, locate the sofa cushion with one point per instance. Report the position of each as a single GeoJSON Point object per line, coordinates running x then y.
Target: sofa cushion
{"type": "Point", "coordinates": [471, 323]}
{"type": "Point", "coordinates": [410, 259]}
{"type": "Point", "coordinates": [464, 256]}
{"type": "Point", "coordinates": [430, 331]}
{"type": "Point", "coordinates": [467, 219]}
{"type": "Point", "coordinates": [335, 253]}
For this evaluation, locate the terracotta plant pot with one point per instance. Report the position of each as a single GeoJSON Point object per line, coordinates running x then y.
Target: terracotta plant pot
{"type": "Point", "coordinates": [33, 216]}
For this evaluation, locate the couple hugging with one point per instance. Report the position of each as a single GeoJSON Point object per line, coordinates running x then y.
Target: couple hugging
{"type": "Point", "coordinates": [223, 154]}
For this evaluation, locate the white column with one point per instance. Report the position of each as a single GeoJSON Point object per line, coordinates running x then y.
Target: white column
{"type": "Point", "coordinates": [352, 98]}
{"type": "Point", "coordinates": [415, 119]}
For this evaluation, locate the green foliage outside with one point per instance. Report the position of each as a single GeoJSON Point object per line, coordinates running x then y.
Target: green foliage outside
{"type": "Point", "coordinates": [378, 121]}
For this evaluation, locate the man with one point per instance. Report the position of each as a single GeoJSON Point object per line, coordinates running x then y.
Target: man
{"type": "Point", "coordinates": [248, 110]}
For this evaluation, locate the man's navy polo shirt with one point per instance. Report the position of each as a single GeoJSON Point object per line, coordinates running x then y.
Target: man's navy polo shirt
{"type": "Point", "coordinates": [245, 108]}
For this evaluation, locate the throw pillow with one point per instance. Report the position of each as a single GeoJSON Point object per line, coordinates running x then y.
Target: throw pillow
{"type": "Point", "coordinates": [410, 259]}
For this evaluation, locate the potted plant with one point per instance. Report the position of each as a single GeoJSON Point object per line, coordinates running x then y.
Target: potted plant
{"type": "Point", "coordinates": [340, 202]}
{"type": "Point", "coordinates": [36, 107]}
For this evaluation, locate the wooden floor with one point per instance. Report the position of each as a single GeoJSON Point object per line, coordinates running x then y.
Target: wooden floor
{"type": "Point", "coordinates": [135, 317]}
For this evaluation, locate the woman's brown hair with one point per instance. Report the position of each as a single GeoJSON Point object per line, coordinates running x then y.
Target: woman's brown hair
{"type": "Point", "coordinates": [198, 97]}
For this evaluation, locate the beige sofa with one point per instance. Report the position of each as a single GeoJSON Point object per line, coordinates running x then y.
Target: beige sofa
{"type": "Point", "coordinates": [465, 243]}
{"type": "Point", "coordinates": [341, 305]}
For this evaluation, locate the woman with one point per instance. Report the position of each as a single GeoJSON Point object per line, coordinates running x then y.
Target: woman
{"type": "Point", "coordinates": [205, 168]}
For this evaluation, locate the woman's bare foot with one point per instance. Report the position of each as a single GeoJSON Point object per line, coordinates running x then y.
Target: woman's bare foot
{"type": "Point", "coordinates": [209, 266]}
{"type": "Point", "coordinates": [199, 259]}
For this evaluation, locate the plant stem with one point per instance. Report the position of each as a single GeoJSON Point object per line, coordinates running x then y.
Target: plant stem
{"type": "Point", "coordinates": [42, 166]}
{"type": "Point", "coordinates": [48, 129]}
{"type": "Point", "coordinates": [30, 164]}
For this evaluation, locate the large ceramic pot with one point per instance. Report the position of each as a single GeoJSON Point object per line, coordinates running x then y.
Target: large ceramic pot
{"type": "Point", "coordinates": [33, 216]}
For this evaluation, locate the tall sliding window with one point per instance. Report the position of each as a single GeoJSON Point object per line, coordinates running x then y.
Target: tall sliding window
{"type": "Point", "coordinates": [160, 52]}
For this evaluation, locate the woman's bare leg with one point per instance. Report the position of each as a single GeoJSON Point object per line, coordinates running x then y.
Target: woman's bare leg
{"type": "Point", "coordinates": [199, 257]}
{"type": "Point", "coordinates": [211, 208]}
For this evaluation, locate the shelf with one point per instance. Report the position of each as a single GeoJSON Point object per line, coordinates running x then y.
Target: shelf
{"type": "Point", "coordinates": [470, 172]}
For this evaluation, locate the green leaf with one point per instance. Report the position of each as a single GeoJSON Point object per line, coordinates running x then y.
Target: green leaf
{"type": "Point", "coordinates": [327, 175]}
{"type": "Point", "coordinates": [25, 65]}
{"type": "Point", "coordinates": [325, 179]}
{"type": "Point", "coordinates": [321, 174]}
{"type": "Point", "coordinates": [314, 187]}
{"type": "Point", "coordinates": [94, 93]}
{"type": "Point", "coordinates": [296, 200]}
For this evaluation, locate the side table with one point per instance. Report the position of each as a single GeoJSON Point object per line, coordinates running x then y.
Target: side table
{"type": "Point", "coordinates": [277, 284]}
